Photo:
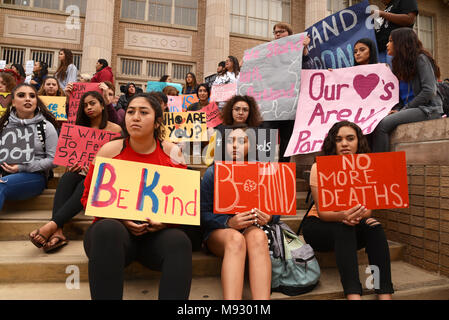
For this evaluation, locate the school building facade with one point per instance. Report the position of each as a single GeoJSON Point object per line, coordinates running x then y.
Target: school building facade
{"type": "Point", "coordinates": [145, 39]}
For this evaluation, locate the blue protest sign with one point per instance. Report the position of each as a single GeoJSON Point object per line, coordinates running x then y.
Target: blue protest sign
{"type": "Point", "coordinates": [159, 86]}
{"type": "Point", "coordinates": [333, 38]}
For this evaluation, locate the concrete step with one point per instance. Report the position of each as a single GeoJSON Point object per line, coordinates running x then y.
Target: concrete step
{"type": "Point", "coordinates": [17, 225]}
{"type": "Point", "coordinates": [410, 283]}
{"type": "Point", "coordinates": [45, 202]}
{"type": "Point", "coordinates": [21, 261]}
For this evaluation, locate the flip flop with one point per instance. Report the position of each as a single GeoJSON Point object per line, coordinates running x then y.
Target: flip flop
{"type": "Point", "coordinates": [35, 242]}
{"type": "Point", "coordinates": [61, 242]}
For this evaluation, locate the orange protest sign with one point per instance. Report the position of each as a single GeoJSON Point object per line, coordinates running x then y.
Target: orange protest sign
{"type": "Point", "coordinates": [375, 180]}
{"type": "Point", "coordinates": [242, 186]}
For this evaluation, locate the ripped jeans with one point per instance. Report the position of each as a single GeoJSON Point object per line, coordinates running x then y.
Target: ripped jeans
{"type": "Point", "coordinates": [345, 241]}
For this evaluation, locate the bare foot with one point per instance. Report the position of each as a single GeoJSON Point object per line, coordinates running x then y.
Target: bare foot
{"type": "Point", "coordinates": [45, 231]}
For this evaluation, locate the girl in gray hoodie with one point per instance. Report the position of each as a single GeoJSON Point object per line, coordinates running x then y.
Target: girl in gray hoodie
{"type": "Point", "coordinates": [21, 181]}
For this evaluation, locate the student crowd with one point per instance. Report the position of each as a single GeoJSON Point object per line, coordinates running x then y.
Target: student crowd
{"type": "Point", "coordinates": [112, 244]}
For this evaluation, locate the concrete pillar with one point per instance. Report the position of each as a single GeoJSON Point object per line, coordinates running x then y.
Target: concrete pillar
{"type": "Point", "coordinates": [216, 38]}
{"type": "Point", "coordinates": [98, 28]}
{"type": "Point", "coordinates": [316, 10]}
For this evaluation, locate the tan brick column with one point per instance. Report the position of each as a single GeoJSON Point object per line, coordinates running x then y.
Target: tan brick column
{"type": "Point", "coordinates": [98, 28]}
{"type": "Point", "coordinates": [216, 39]}
{"type": "Point", "coordinates": [316, 10]}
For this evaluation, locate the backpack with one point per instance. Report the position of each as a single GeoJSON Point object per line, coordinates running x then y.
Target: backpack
{"type": "Point", "coordinates": [295, 269]}
{"type": "Point", "coordinates": [443, 88]}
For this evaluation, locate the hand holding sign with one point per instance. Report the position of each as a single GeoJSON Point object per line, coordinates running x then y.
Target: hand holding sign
{"type": "Point", "coordinates": [374, 181]}
{"type": "Point", "coordinates": [363, 95]}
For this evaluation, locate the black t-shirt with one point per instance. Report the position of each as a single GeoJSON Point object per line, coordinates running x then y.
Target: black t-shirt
{"type": "Point", "coordinates": [384, 27]}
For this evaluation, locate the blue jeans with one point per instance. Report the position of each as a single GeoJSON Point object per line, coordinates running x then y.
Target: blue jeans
{"type": "Point", "coordinates": [21, 186]}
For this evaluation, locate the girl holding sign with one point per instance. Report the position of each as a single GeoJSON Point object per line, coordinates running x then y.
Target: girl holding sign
{"type": "Point", "coordinates": [21, 181]}
{"type": "Point", "coordinates": [112, 244]}
{"type": "Point", "coordinates": [345, 232]}
{"type": "Point", "coordinates": [91, 113]}
{"type": "Point", "coordinates": [234, 237]}
{"type": "Point", "coordinates": [414, 66]}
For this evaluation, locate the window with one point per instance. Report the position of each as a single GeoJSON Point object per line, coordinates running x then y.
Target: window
{"type": "Point", "coordinates": [151, 70]}
{"type": "Point", "coordinates": [21, 55]}
{"type": "Point", "coordinates": [257, 17]}
{"type": "Point", "coordinates": [131, 67]}
{"type": "Point", "coordinates": [43, 56]}
{"type": "Point", "coordinates": [179, 71]}
{"type": "Point", "coordinates": [156, 69]}
{"type": "Point", "coordinates": [424, 28]}
{"type": "Point", "coordinates": [337, 5]}
{"type": "Point", "coordinates": [179, 12]}
{"type": "Point", "coordinates": [60, 5]}
{"type": "Point", "coordinates": [13, 55]}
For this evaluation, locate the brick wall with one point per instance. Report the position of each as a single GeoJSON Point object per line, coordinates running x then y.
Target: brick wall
{"type": "Point", "coordinates": [424, 226]}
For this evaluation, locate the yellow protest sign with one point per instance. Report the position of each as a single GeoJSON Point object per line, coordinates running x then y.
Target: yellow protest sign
{"type": "Point", "coordinates": [134, 191]}
{"type": "Point", "coordinates": [56, 105]}
{"type": "Point", "coordinates": [5, 99]}
{"type": "Point", "coordinates": [185, 126]}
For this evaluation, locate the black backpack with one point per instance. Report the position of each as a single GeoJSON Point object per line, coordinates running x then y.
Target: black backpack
{"type": "Point", "coordinates": [443, 88]}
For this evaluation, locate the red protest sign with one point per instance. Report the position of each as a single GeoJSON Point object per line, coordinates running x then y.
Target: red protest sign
{"type": "Point", "coordinates": [79, 88]}
{"type": "Point", "coordinates": [375, 180]}
{"type": "Point", "coordinates": [242, 186]}
{"type": "Point", "coordinates": [79, 145]}
{"type": "Point", "coordinates": [213, 115]}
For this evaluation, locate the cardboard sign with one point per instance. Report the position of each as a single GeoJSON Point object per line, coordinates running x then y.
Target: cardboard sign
{"type": "Point", "coordinates": [270, 187]}
{"type": "Point", "coordinates": [159, 86]}
{"type": "Point", "coordinates": [181, 103]}
{"type": "Point", "coordinates": [56, 105]}
{"type": "Point", "coordinates": [375, 180]}
{"type": "Point", "coordinates": [5, 99]}
{"type": "Point", "coordinates": [223, 92]}
{"type": "Point", "coordinates": [213, 115]}
{"type": "Point", "coordinates": [79, 145]}
{"type": "Point", "coordinates": [262, 144]}
{"type": "Point", "coordinates": [333, 38]}
{"type": "Point", "coordinates": [17, 145]}
{"type": "Point", "coordinates": [185, 126]}
{"type": "Point", "coordinates": [134, 191]}
{"type": "Point", "coordinates": [271, 73]}
{"type": "Point", "coordinates": [363, 95]}
{"type": "Point", "coordinates": [79, 88]}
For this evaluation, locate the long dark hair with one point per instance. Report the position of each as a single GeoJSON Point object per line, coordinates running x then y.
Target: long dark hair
{"type": "Point", "coordinates": [40, 108]}
{"type": "Point", "coordinates": [203, 85]}
{"type": "Point", "coordinates": [407, 48]}
{"type": "Point", "coordinates": [61, 72]}
{"type": "Point", "coordinates": [81, 117]}
{"type": "Point", "coordinates": [372, 50]}
{"type": "Point", "coordinates": [254, 118]}
{"type": "Point", "coordinates": [235, 63]}
{"type": "Point", "coordinates": [194, 84]}
{"type": "Point", "coordinates": [43, 72]}
{"type": "Point", "coordinates": [329, 145]}
{"type": "Point", "coordinates": [159, 132]}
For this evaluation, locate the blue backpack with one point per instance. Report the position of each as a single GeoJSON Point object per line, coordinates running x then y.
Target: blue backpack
{"type": "Point", "coordinates": [295, 269]}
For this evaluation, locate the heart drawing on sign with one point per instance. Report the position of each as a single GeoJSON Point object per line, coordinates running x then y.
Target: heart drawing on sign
{"type": "Point", "coordinates": [364, 85]}
{"type": "Point", "coordinates": [167, 190]}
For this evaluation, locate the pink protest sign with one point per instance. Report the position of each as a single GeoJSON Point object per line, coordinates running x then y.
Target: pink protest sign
{"type": "Point", "coordinates": [79, 145]}
{"type": "Point", "coordinates": [213, 115]}
{"type": "Point", "coordinates": [223, 92]}
{"type": "Point", "coordinates": [363, 95]}
{"type": "Point", "coordinates": [79, 88]}
{"type": "Point", "coordinates": [181, 103]}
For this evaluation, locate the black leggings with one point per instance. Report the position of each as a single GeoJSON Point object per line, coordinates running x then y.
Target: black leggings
{"type": "Point", "coordinates": [67, 201]}
{"type": "Point", "coordinates": [345, 241]}
{"type": "Point", "coordinates": [110, 247]}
